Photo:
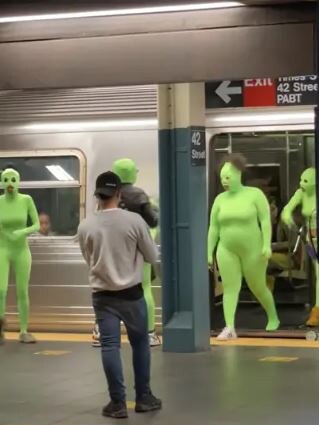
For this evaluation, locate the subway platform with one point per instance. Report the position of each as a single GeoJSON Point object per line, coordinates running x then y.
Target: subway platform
{"type": "Point", "coordinates": [60, 381]}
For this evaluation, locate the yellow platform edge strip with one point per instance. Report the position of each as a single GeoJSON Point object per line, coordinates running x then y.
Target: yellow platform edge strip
{"type": "Point", "coordinates": [244, 342]}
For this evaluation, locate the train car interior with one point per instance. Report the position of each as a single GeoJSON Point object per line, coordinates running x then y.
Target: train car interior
{"type": "Point", "coordinates": [275, 161]}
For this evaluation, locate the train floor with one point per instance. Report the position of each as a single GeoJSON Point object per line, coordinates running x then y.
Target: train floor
{"type": "Point", "coordinates": [265, 382]}
{"type": "Point", "coordinates": [252, 316]}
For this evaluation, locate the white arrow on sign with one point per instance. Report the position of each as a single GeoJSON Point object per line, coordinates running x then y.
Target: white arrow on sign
{"type": "Point", "coordinates": [224, 91]}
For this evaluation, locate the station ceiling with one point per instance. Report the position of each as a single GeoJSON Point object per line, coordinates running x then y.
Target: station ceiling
{"type": "Point", "coordinates": [269, 39]}
{"type": "Point", "coordinates": [24, 7]}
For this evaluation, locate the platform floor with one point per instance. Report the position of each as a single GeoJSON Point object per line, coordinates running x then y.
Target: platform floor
{"type": "Point", "coordinates": [62, 383]}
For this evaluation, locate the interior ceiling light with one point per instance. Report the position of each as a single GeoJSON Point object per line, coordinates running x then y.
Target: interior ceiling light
{"type": "Point", "coordinates": [93, 125]}
{"type": "Point", "coordinates": [59, 173]}
{"type": "Point", "coordinates": [122, 12]}
{"type": "Point", "coordinates": [265, 117]}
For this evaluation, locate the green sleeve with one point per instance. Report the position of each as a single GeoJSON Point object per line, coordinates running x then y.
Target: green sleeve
{"type": "Point", "coordinates": [33, 214]}
{"type": "Point", "coordinates": [296, 200]}
{"type": "Point", "coordinates": [153, 232]}
{"type": "Point", "coordinates": [263, 213]}
{"type": "Point", "coordinates": [213, 231]}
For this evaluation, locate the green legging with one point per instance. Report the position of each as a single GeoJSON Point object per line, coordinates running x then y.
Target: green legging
{"type": "Point", "coordinates": [15, 209]}
{"type": "Point", "coordinates": [20, 259]}
{"type": "Point", "coordinates": [148, 293]}
{"type": "Point", "coordinates": [232, 268]}
{"type": "Point", "coordinates": [240, 229]}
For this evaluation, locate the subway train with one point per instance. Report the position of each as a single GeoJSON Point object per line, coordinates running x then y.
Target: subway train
{"type": "Point", "coordinates": [60, 140]}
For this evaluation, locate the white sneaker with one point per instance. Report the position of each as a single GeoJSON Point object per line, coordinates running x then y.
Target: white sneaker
{"type": "Point", "coordinates": [227, 333]}
{"type": "Point", "coordinates": [27, 338]}
{"type": "Point", "coordinates": [96, 336]}
{"type": "Point", "coordinates": [154, 339]}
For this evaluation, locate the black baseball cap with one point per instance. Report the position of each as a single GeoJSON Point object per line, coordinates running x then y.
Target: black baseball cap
{"type": "Point", "coordinates": [107, 184]}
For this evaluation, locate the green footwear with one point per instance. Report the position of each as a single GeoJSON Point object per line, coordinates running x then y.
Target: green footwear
{"type": "Point", "coordinates": [273, 325]}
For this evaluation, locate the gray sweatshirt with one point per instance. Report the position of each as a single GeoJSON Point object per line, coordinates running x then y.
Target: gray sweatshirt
{"type": "Point", "coordinates": [115, 243]}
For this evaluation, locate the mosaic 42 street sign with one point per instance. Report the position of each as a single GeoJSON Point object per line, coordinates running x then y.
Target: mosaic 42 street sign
{"type": "Point", "coordinates": [284, 91]}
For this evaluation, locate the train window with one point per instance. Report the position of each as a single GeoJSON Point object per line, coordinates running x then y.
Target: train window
{"type": "Point", "coordinates": [267, 178]}
{"type": "Point", "coordinates": [55, 182]}
{"type": "Point", "coordinates": [265, 164]}
{"type": "Point", "coordinates": [52, 168]}
{"type": "Point", "coordinates": [275, 159]}
{"type": "Point", "coordinates": [309, 140]}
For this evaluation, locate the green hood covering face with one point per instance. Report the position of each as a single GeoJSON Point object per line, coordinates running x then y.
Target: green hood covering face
{"type": "Point", "coordinates": [10, 180]}
{"type": "Point", "coordinates": [230, 177]}
{"type": "Point", "coordinates": [308, 180]}
{"type": "Point", "coordinates": [126, 170]}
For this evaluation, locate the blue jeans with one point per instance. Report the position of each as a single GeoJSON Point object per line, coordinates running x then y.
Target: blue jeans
{"type": "Point", "coordinates": [110, 311]}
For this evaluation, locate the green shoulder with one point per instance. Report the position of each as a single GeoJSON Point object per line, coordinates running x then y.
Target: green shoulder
{"type": "Point", "coordinates": [25, 197]}
{"type": "Point", "coordinates": [220, 197]}
{"type": "Point", "coordinates": [253, 189]}
{"type": "Point", "coordinates": [299, 194]}
{"type": "Point", "coordinates": [256, 192]}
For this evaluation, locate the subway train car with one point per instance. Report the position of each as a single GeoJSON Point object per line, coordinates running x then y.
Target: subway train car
{"type": "Point", "coordinates": [60, 140]}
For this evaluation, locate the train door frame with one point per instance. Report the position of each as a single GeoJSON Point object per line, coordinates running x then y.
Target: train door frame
{"type": "Point", "coordinates": [221, 122]}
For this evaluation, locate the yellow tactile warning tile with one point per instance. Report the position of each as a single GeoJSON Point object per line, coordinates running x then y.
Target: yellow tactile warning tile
{"type": "Point", "coordinates": [253, 342]}
{"type": "Point", "coordinates": [267, 342]}
{"type": "Point", "coordinates": [56, 337]}
{"type": "Point", "coordinates": [130, 405]}
{"type": "Point", "coordinates": [278, 359]}
{"type": "Point", "coordinates": [52, 353]}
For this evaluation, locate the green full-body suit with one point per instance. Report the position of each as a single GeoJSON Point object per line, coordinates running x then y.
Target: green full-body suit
{"type": "Point", "coordinates": [240, 230]}
{"type": "Point", "coordinates": [305, 197]}
{"type": "Point", "coordinates": [127, 170]}
{"type": "Point", "coordinates": [147, 289]}
{"type": "Point", "coordinates": [15, 210]}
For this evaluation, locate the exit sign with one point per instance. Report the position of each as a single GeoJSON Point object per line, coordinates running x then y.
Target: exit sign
{"type": "Point", "coordinates": [284, 91]}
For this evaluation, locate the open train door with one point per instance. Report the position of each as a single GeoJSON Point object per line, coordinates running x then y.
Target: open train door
{"type": "Point", "coordinates": [278, 144]}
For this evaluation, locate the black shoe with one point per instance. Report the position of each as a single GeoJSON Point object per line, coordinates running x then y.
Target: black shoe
{"type": "Point", "coordinates": [115, 410]}
{"type": "Point", "coordinates": [148, 403]}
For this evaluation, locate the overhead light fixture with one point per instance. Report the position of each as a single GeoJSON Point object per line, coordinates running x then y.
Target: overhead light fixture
{"type": "Point", "coordinates": [266, 117]}
{"type": "Point", "coordinates": [59, 173]}
{"type": "Point", "coordinates": [91, 125]}
{"type": "Point", "coordinates": [122, 12]}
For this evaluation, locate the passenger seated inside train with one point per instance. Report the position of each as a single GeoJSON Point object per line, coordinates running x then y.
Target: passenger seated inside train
{"type": "Point", "coordinates": [45, 225]}
{"type": "Point", "coordinates": [283, 242]}
{"type": "Point", "coordinates": [282, 262]}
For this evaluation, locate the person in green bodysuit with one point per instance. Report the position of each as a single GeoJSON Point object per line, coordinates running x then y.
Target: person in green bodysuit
{"type": "Point", "coordinates": [305, 196]}
{"type": "Point", "coordinates": [134, 199]}
{"type": "Point", "coordinates": [15, 209]}
{"type": "Point", "coordinates": [240, 231]}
